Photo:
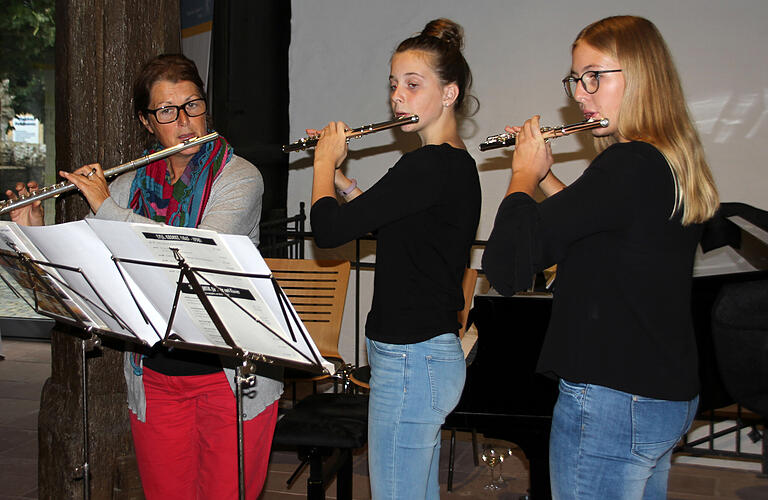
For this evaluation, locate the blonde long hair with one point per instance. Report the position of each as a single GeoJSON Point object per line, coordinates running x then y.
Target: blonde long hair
{"type": "Point", "coordinates": [653, 108]}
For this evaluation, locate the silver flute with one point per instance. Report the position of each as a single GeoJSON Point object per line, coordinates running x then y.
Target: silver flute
{"type": "Point", "coordinates": [64, 186]}
{"type": "Point", "coordinates": [311, 142]}
{"type": "Point", "coordinates": [504, 140]}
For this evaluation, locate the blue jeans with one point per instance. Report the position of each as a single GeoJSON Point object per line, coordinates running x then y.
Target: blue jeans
{"type": "Point", "coordinates": [610, 444]}
{"type": "Point", "coordinates": [413, 388]}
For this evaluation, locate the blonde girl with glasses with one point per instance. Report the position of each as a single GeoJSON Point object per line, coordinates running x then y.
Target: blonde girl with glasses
{"type": "Point", "coordinates": [623, 235]}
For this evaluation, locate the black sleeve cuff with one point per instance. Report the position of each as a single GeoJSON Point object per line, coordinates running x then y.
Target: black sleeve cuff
{"type": "Point", "coordinates": [322, 217]}
{"type": "Point", "coordinates": [510, 255]}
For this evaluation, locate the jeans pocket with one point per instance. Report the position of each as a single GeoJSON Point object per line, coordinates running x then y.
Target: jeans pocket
{"type": "Point", "coordinates": [573, 389]}
{"type": "Point", "coordinates": [446, 381]}
{"type": "Point", "coordinates": [388, 350]}
{"type": "Point", "coordinates": [657, 425]}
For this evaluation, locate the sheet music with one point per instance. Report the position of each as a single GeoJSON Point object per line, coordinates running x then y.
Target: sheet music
{"type": "Point", "coordinates": [13, 240]}
{"type": "Point", "coordinates": [74, 244]}
{"type": "Point", "coordinates": [252, 262]}
{"type": "Point", "coordinates": [156, 284]}
{"type": "Point", "coordinates": [206, 249]}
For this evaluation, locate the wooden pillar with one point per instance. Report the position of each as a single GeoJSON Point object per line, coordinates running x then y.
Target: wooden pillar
{"type": "Point", "coordinates": [100, 45]}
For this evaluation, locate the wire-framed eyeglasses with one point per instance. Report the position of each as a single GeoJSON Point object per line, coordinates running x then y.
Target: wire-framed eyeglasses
{"type": "Point", "coordinates": [170, 113]}
{"type": "Point", "coordinates": [590, 81]}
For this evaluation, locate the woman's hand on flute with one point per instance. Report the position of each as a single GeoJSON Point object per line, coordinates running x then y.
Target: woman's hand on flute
{"type": "Point", "coordinates": [330, 152]}
{"type": "Point", "coordinates": [28, 215]}
{"type": "Point", "coordinates": [532, 158]}
{"type": "Point", "coordinates": [89, 180]}
{"type": "Point", "coordinates": [332, 145]}
{"type": "Point", "coordinates": [340, 181]}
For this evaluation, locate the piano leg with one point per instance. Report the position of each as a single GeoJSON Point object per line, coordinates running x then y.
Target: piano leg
{"type": "Point", "coordinates": [536, 448]}
{"type": "Point", "coordinates": [539, 474]}
{"type": "Point", "coordinates": [451, 457]}
{"type": "Point", "coordinates": [765, 448]}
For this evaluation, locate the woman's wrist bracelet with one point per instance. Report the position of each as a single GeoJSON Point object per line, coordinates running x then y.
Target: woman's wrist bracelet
{"type": "Point", "coordinates": [346, 192]}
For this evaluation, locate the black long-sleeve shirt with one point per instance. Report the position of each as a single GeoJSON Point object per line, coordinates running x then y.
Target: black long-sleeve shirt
{"type": "Point", "coordinates": [425, 212]}
{"type": "Point", "coordinates": [621, 315]}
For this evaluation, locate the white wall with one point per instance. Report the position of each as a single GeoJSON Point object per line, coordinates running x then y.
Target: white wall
{"type": "Point", "coordinates": [519, 52]}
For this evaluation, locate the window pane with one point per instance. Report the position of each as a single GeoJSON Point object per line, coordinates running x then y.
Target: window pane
{"type": "Point", "coordinates": [27, 150]}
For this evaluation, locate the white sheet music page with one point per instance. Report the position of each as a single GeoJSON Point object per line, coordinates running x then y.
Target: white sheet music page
{"type": "Point", "coordinates": [240, 302]}
{"type": "Point", "coordinates": [74, 244]}
{"type": "Point", "coordinates": [75, 308]}
{"type": "Point", "coordinates": [157, 284]}
{"type": "Point", "coordinates": [253, 263]}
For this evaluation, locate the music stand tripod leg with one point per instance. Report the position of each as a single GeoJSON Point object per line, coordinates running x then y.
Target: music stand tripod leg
{"type": "Point", "coordinates": [83, 470]}
{"type": "Point", "coordinates": [243, 375]}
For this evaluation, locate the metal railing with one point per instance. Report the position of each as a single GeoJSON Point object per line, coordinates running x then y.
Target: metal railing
{"type": "Point", "coordinates": [705, 446]}
{"type": "Point", "coordinates": [283, 238]}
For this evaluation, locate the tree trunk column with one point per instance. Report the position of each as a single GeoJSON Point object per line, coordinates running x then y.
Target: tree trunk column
{"type": "Point", "coordinates": [100, 46]}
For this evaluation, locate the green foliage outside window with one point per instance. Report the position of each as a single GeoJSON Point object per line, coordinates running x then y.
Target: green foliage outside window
{"type": "Point", "coordinates": [27, 36]}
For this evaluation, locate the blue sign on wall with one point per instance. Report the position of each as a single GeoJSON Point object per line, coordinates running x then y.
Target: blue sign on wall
{"type": "Point", "coordinates": [195, 12]}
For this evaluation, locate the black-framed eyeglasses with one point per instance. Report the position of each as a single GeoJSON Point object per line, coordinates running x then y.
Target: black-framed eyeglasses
{"type": "Point", "coordinates": [170, 113]}
{"type": "Point", "coordinates": [590, 81]}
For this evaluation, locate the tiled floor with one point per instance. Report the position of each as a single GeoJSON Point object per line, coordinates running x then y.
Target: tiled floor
{"type": "Point", "coordinates": [22, 373]}
{"type": "Point", "coordinates": [27, 365]}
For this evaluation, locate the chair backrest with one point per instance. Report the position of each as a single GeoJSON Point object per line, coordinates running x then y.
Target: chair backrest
{"type": "Point", "coordinates": [468, 283]}
{"type": "Point", "coordinates": [468, 336]}
{"type": "Point", "coordinates": [318, 290]}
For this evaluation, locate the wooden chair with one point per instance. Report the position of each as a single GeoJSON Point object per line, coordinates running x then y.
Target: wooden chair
{"type": "Point", "coordinates": [318, 290]}
{"type": "Point", "coordinates": [323, 428]}
{"type": "Point", "coordinates": [468, 334]}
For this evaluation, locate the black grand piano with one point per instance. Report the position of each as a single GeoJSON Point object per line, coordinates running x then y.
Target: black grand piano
{"type": "Point", "coordinates": [505, 399]}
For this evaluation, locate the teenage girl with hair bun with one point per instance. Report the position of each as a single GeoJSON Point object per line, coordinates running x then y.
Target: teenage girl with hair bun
{"type": "Point", "coordinates": [425, 212]}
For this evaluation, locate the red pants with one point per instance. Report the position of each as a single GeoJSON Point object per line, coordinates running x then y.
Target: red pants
{"type": "Point", "coordinates": [187, 448]}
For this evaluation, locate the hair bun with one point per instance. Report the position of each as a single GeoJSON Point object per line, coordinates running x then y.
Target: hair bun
{"type": "Point", "coordinates": [443, 39]}
{"type": "Point", "coordinates": [446, 30]}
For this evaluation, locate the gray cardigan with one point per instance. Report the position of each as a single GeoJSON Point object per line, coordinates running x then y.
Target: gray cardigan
{"type": "Point", "coordinates": [234, 207]}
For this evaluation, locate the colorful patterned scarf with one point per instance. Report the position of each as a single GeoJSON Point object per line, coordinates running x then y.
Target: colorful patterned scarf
{"type": "Point", "coordinates": [182, 203]}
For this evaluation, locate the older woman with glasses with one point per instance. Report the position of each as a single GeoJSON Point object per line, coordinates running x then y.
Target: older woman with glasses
{"type": "Point", "coordinates": [182, 403]}
{"type": "Point", "coordinates": [624, 236]}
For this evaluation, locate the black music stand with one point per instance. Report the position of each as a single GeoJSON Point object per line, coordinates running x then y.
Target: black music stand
{"type": "Point", "coordinates": [48, 295]}
{"type": "Point", "coordinates": [193, 279]}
